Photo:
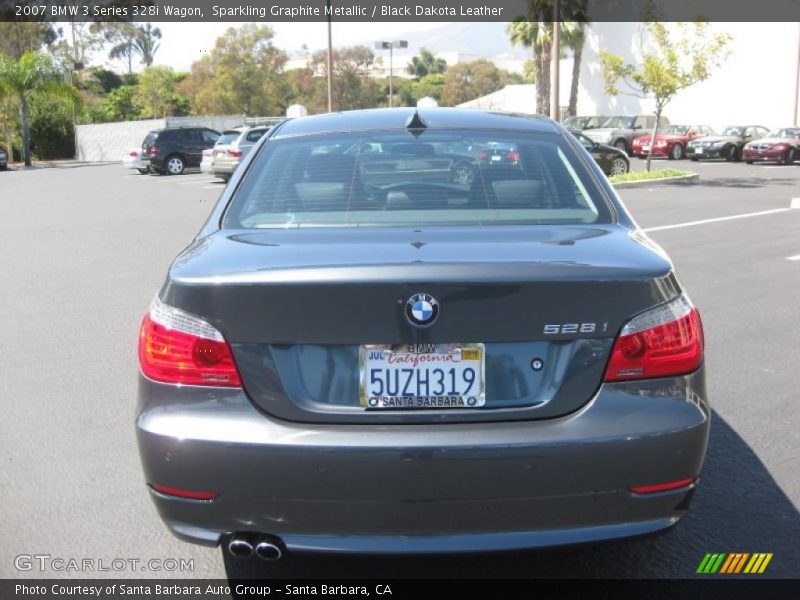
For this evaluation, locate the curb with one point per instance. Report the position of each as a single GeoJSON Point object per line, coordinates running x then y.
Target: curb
{"type": "Point", "coordinates": [648, 182]}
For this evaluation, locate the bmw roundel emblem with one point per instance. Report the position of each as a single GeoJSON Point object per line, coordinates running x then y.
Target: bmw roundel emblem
{"type": "Point", "coordinates": [422, 310]}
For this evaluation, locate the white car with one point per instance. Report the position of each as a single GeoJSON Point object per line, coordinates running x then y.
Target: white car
{"type": "Point", "coordinates": [207, 164]}
{"type": "Point", "coordinates": [133, 160]}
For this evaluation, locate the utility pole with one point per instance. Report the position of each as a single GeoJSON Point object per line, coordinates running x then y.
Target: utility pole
{"type": "Point", "coordinates": [330, 58]}
{"type": "Point", "coordinates": [555, 64]}
{"type": "Point", "coordinates": [797, 82]}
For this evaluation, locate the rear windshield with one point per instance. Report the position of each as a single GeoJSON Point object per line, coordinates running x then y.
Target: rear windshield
{"type": "Point", "coordinates": [394, 179]}
{"type": "Point", "coordinates": [228, 137]}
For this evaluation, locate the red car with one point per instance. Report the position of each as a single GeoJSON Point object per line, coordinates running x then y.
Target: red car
{"type": "Point", "coordinates": [670, 142]}
{"type": "Point", "coordinates": [781, 146]}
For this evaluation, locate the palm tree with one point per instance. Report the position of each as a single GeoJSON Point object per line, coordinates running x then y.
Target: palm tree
{"type": "Point", "coordinates": [536, 35]}
{"type": "Point", "coordinates": [123, 37]}
{"type": "Point", "coordinates": [33, 73]}
{"type": "Point", "coordinates": [146, 43]}
{"type": "Point", "coordinates": [573, 34]}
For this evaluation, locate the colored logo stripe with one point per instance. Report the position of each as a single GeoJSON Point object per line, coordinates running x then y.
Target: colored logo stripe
{"type": "Point", "coordinates": [723, 562]}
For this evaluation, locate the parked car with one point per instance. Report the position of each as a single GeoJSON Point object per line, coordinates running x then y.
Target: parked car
{"type": "Point", "coordinates": [231, 148]}
{"type": "Point", "coordinates": [727, 145]}
{"type": "Point", "coordinates": [581, 123]}
{"type": "Point", "coordinates": [172, 151]}
{"type": "Point", "coordinates": [419, 366]}
{"type": "Point", "coordinates": [781, 145]}
{"type": "Point", "coordinates": [132, 159]}
{"type": "Point", "coordinates": [670, 142]}
{"type": "Point", "coordinates": [3, 159]}
{"type": "Point", "coordinates": [620, 130]}
{"type": "Point", "coordinates": [611, 160]}
{"type": "Point", "coordinates": [207, 162]}
{"type": "Point", "coordinates": [499, 154]}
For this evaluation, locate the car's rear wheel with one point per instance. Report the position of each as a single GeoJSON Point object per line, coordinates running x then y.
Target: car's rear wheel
{"type": "Point", "coordinates": [142, 171]}
{"type": "Point", "coordinates": [790, 157]}
{"type": "Point", "coordinates": [175, 165]}
{"type": "Point", "coordinates": [621, 144]}
{"type": "Point", "coordinates": [676, 152]}
{"type": "Point", "coordinates": [749, 162]}
{"type": "Point", "coordinates": [618, 167]}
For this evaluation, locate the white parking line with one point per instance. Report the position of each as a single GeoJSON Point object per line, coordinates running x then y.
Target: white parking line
{"type": "Point", "coordinates": [718, 219]}
{"type": "Point", "coordinates": [196, 182]}
{"type": "Point", "coordinates": [795, 257]}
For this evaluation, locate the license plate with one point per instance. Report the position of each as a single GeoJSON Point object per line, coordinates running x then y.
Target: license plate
{"type": "Point", "coordinates": [422, 376]}
{"type": "Point", "coordinates": [698, 150]}
{"type": "Point", "coordinates": [646, 148]}
{"type": "Point", "coordinates": [496, 158]}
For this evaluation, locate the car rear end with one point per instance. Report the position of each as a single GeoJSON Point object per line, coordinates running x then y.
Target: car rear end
{"type": "Point", "coordinates": [3, 159]}
{"type": "Point", "coordinates": [227, 153]}
{"type": "Point", "coordinates": [132, 159]}
{"type": "Point", "coordinates": [151, 155]}
{"type": "Point", "coordinates": [346, 365]}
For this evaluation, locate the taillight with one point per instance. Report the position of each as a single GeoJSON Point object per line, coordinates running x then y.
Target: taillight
{"type": "Point", "coordinates": [235, 153]}
{"type": "Point", "coordinates": [666, 340]}
{"type": "Point", "coordinates": [153, 150]}
{"type": "Point", "coordinates": [483, 155]}
{"type": "Point", "coordinates": [134, 153]}
{"type": "Point", "coordinates": [512, 155]}
{"type": "Point", "coordinates": [177, 347]}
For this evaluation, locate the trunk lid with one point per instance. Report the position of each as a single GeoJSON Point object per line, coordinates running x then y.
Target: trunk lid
{"type": "Point", "coordinates": [297, 305]}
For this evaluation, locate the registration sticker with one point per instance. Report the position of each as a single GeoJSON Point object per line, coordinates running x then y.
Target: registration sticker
{"type": "Point", "coordinates": [422, 376]}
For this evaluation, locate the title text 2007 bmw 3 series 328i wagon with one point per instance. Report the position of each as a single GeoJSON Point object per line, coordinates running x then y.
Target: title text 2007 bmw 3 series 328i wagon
{"type": "Point", "coordinates": [411, 331]}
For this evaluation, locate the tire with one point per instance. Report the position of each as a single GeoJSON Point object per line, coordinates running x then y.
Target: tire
{"type": "Point", "coordinates": [732, 154]}
{"type": "Point", "coordinates": [175, 165]}
{"type": "Point", "coordinates": [619, 166]}
{"type": "Point", "coordinates": [621, 144]}
{"type": "Point", "coordinates": [693, 159]}
{"type": "Point", "coordinates": [143, 171]}
{"type": "Point", "coordinates": [790, 157]}
{"type": "Point", "coordinates": [676, 152]}
{"type": "Point", "coordinates": [749, 162]}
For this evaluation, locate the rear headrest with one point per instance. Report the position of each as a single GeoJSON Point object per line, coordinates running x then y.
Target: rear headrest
{"type": "Point", "coordinates": [519, 193]}
{"type": "Point", "coordinates": [414, 149]}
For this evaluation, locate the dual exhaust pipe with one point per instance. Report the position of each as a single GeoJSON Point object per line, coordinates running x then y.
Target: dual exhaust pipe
{"type": "Point", "coordinates": [247, 546]}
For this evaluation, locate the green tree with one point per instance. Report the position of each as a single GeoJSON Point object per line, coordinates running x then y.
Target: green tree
{"type": "Point", "coordinates": [574, 37]}
{"type": "Point", "coordinates": [17, 38]}
{"type": "Point", "coordinates": [671, 64]}
{"type": "Point", "coordinates": [243, 74]}
{"type": "Point", "coordinates": [122, 104]}
{"type": "Point", "coordinates": [431, 85]}
{"type": "Point", "coordinates": [7, 108]}
{"type": "Point", "coordinates": [426, 64]}
{"type": "Point", "coordinates": [122, 37]}
{"type": "Point", "coordinates": [156, 93]}
{"type": "Point", "coordinates": [146, 42]}
{"type": "Point", "coordinates": [352, 86]}
{"type": "Point", "coordinates": [467, 81]}
{"type": "Point", "coordinates": [33, 73]}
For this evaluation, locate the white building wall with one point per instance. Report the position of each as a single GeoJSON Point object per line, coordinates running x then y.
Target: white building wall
{"type": "Point", "coordinates": [756, 84]}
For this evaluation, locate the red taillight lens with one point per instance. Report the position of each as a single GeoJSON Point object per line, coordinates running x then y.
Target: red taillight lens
{"type": "Point", "coordinates": [153, 151]}
{"type": "Point", "coordinates": [175, 347]}
{"type": "Point", "coordinates": [235, 153]}
{"type": "Point", "coordinates": [512, 155]}
{"type": "Point", "coordinates": [134, 153]}
{"type": "Point", "coordinates": [483, 155]}
{"type": "Point", "coordinates": [665, 341]}
{"type": "Point", "coordinates": [181, 493]}
{"type": "Point", "coordinates": [662, 487]}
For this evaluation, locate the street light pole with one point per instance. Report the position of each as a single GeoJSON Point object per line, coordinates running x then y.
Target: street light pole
{"type": "Point", "coordinates": [330, 59]}
{"type": "Point", "coordinates": [390, 46]}
{"type": "Point", "coordinates": [555, 64]}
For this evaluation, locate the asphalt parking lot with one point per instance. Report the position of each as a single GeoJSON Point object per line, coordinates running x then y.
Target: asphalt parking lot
{"type": "Point", "coordinates": [83, 249]}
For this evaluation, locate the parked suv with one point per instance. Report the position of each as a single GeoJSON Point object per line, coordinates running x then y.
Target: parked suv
{"type": "Point", "coordinates": [620, 130]}
{"type": "Point", "coordinates": [231, 148]}
{"type": "Point", "coordinates": [171, 151]}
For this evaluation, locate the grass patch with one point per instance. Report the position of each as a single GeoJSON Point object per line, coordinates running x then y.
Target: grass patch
{"type": "Point", "coordinates": [645, 176]}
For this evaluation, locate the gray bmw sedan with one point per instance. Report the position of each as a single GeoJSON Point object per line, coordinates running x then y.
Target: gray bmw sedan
{"type": "Point", "coordinates": [417, 331]}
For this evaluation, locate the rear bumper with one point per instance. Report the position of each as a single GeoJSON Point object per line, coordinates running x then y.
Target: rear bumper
{"type": "Point", "coordinates": [424, 488]}
{"type": "Point", "coordinates": [224, 167]}
{"type": "Point", "coordinates": [707, 153]}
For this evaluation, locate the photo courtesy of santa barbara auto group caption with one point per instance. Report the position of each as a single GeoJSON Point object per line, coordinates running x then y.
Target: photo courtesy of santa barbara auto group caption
{"type": "Point", "coordinates": [399, 298]}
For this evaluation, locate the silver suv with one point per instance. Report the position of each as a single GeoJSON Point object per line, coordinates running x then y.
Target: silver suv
{"type": "Point", "coordinates": [620, 130]}
{"type": "Point", "coordinates": [232, 146]}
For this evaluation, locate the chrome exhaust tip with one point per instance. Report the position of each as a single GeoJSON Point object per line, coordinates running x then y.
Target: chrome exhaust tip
{"type": "Point", "coordinates": [268, 551]}
{"type": "Point", "coordinates": [240, 548]}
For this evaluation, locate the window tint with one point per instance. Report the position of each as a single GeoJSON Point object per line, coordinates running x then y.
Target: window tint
{"type": "Point", "coordinates": [392, 179]}
{"type": "Point", "coordinates": [255, 135]}
{"type": "Point", "coordinates": [191, 136]}
{"type": "Point", "coordinates": [210, 136]}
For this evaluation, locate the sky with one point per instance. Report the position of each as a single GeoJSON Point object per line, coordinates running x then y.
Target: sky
{"type": "Point", "coordinates": [183, 43]}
